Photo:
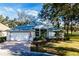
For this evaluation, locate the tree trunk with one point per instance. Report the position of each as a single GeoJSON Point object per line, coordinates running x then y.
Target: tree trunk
{"type": "Point", "coordinates": [67, 31]}
{"type": "Point", "coordinates": [71, 26]}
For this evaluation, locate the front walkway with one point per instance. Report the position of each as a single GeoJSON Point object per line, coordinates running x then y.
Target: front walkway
{"type": "Point", "coordinates": [12, 48]}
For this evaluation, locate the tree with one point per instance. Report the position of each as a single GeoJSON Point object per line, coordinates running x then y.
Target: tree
{"type": "Point", "coordinates": [6, 18]}
{"type": "Point", "coordinates": [1, 18]}
{"type": "Point", "coordinates": [68, 10]}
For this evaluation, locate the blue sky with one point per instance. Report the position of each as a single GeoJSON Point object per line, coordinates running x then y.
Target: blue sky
{"type": "Point", "coordinates": [10, 9]}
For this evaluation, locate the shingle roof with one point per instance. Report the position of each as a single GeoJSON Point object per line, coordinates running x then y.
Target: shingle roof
{"type": "Point", "coordinates": [26, 27]}
{"type": "Point", "coordinates": [34, 25]}
{"type": "Point", "coordinates": [54, 29]}
{"type": "Point", "coordinates": [23, 28]}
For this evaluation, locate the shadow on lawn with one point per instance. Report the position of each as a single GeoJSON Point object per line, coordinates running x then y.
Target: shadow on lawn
{"type": "Point", "coordinates": [61, 51]}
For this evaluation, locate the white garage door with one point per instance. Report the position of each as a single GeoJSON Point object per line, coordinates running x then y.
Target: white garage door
{"type": "Point", "coordinates": [21, 36]}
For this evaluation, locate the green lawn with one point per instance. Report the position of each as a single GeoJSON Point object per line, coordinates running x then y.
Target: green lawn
{"type": "Point", "coordinates": [61, 48]}
{"type": "Point", "coordinates": [75, 36]}
{"type": "Point", "coordinates": [67, 48]}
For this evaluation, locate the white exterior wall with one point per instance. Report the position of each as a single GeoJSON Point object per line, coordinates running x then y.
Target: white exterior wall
{"type": "Point", "coordinates": [8, 35]}
{"type": "Point", "coordinates": [3, 33]}
{"type": "Point", "coordinates": [51, 34]}
{"type": "Point", "coordinates": [20, 36]}
{"type": "Point", "coordinates": [33, 34]}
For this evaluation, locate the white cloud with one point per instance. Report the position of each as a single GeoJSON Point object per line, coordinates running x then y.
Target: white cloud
{"type": "Point", "coordinates": [32, 12]}
{"type": "Point", "coordinates": [27, 12]}
{"type": "Point", "coordinates": [19, 10]}
{"type": "Point", "coordinates": [8, 9]}
{"type": "Point", "coordinates": [12, 12]}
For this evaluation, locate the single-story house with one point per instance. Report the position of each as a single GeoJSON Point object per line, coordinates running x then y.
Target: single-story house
{"type": "Point", "coordinates": [3, 29]}
{"type": "Point", "coordinates": [35, 29]}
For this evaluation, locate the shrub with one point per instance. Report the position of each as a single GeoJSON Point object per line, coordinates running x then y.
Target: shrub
{"type": "Point", "coordinates": [41, 37]}
{"type": "Point", "coordinates": [2, 39]}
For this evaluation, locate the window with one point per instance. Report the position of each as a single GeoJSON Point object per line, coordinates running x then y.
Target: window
{"type": "Point", "coordinates": [39, 32]}
{"type": "Point", "coordinates": [43, 32]}
{"type": "Point", "coordinates": [36, 32]}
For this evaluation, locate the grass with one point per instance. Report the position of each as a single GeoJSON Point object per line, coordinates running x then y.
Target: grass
{"type": "Point", "coordinates": [71, 47]}
{"type": "Point", "coordinates": [67, 48]}
{"type": "Point", "coordinates": [74, 36]}
{"type": "Point", "coordinates": [70, 53]}
{"type": "Point", "coordinates": [70, 44]}
{"type": "Point", "coordinates": [64, 48]}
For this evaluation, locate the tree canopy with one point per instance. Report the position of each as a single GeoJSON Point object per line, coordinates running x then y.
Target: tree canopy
{"type": "Point", "coordinates": [69, 12]}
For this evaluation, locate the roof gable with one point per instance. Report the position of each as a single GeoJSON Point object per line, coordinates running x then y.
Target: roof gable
{"type": "Point", "coordinates": [3, 27]}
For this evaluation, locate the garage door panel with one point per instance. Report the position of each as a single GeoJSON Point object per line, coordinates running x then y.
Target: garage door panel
{"type": "Point", "coordinates": [19, 36]}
